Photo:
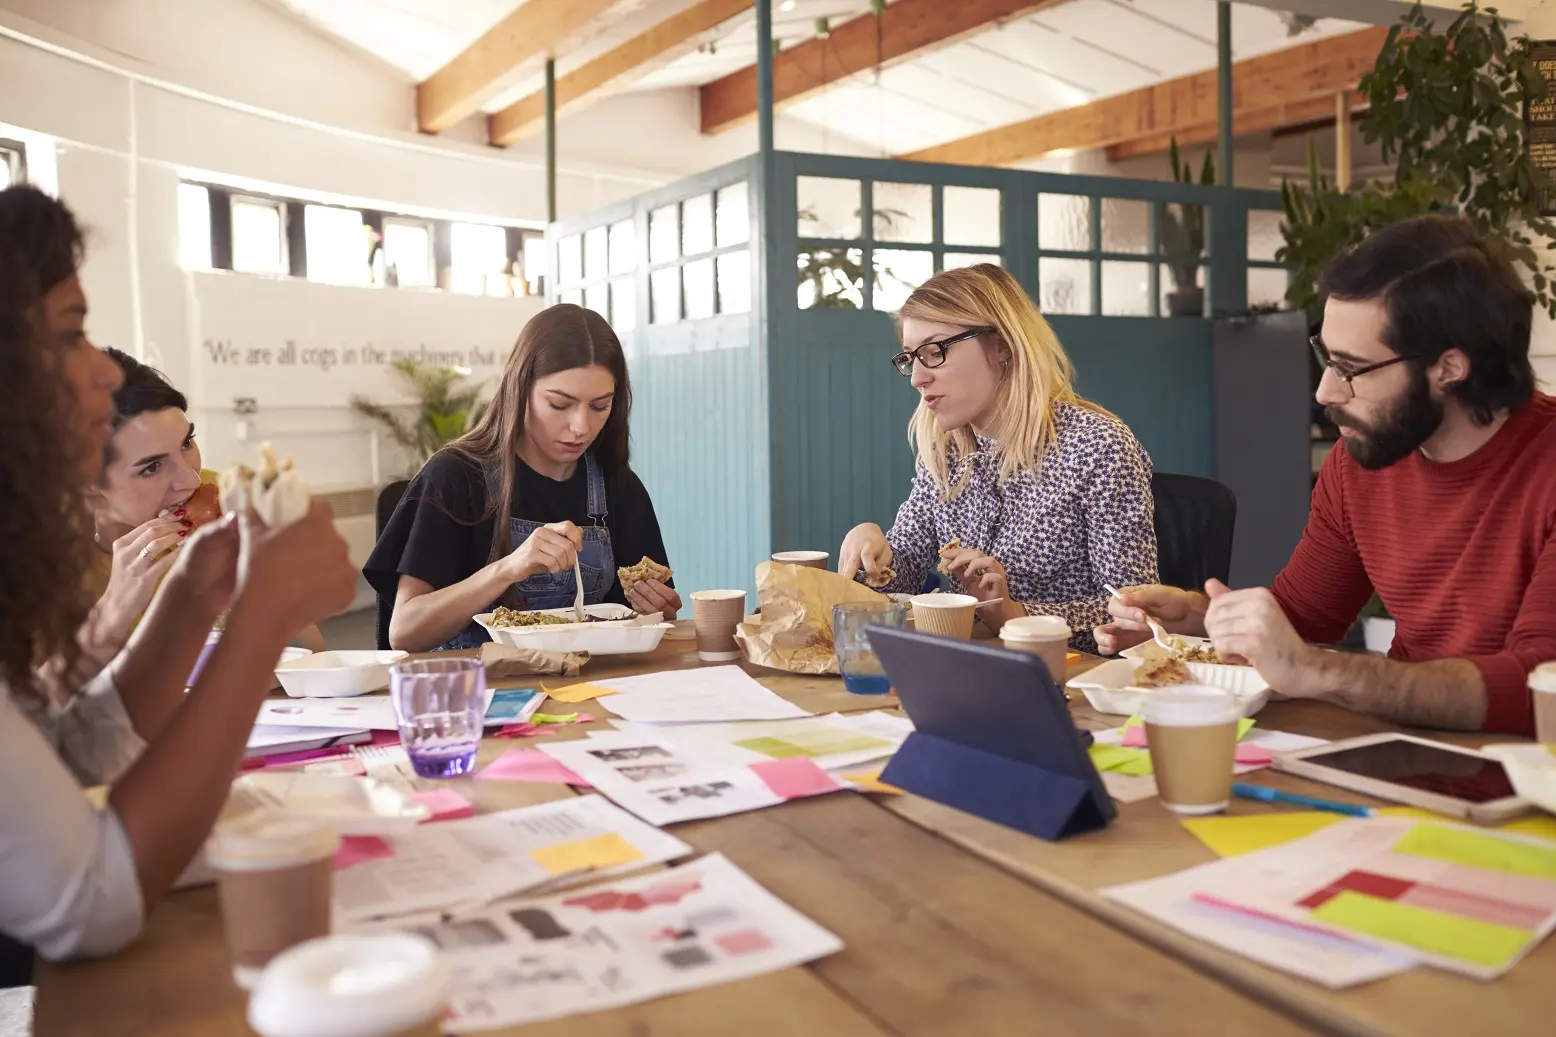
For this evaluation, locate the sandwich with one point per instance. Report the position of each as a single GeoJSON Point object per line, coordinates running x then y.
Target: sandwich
{"type": "Point", "coordinates": [275, 491]}
{"type": "Point", "coordinates": [646, 569]}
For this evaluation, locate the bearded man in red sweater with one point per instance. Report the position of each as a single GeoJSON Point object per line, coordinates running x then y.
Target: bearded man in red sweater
{"type": "Point", "coordinates": [1443, 501]}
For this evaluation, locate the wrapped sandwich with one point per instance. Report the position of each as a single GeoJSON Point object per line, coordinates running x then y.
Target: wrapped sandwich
{"type": "Point", "coordinates": [275, 491]}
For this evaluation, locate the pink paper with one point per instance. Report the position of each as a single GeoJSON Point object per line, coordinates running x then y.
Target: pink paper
{"type": "Point", "coordinates": [795, 776]}
{"type": "Point", "coordinates": [584, 718]}
{"type": "Point", "coordinates": [1134, 737]}
{"type": "Point", "coordinates": [523, 729]}
{"type": "Point", "coordinates": [531, 765]}
{"type": "Point", "coordinates": [446, 804]}
{"type": "Point", "coordinates": [359, 849]}
{"type": "Point", "coordinates": [1250, 755]}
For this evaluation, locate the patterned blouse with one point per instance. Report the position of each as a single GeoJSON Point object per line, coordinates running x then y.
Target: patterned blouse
{"type": "Point", "coordinates": [1084, 520]}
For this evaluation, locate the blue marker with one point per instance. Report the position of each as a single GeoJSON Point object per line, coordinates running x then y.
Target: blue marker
{"type": "Point", "coordinates": [1275, 796]}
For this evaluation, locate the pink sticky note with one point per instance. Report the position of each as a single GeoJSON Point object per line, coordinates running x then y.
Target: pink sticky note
{"type": "Point", "coordinates": [795, 776]}
{"type": "Point", "coordinates": [359, 849]}
{"type": "Point", "coordinates": [446, 804]}
{"type": "Point", "coordinates": [1251, 755]}
{"type": "Point", "coordinates": [583, 718]}
{"type": "Point", "coordinates": [531, 765]}
{"type": "Point", "coordinates": [1134, 737]}
{"type": "Point", "coordinates": [522, 729]}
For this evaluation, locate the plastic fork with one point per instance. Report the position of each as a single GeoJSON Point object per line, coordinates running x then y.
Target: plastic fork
{"type": "Point", "coordinates": [1158, 632]}
{"type": "Point", "coordinates": [578, 595]}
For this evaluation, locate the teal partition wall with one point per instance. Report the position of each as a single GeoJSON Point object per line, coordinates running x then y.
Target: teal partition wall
{"type": "Point", "coordinates": [756, 304]}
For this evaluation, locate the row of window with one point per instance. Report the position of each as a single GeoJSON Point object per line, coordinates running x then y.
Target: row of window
{"type": "Point", "coordinates": [225, 229]}
{"type": "Point", "coordinates": [13, 163]}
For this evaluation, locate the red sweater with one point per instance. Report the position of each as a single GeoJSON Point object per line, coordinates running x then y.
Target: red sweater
{"type": "Point", "coordinates": [1462, 554]}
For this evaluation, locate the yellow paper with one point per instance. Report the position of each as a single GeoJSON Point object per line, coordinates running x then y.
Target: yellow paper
{"type": "Point", "coordinates": [1476, 850]}
{"type": "Point", "coordinates": [1436, 932]}
{"type": "Point", "coordinates": [1243, 726]}
{"type": "Point", "coordinates": [1133, 762]}
{"type": "Point", "coordinates": [602, 851]}
{"type": "Point", "coordinates": [1234, 836]}
{"type": "Point", "coordinates": [870, 781]}
{"type": "Point", "coordinates": [575, 693]}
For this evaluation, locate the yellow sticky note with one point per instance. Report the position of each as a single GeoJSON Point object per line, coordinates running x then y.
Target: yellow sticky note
{"type": "Point", "coordinates": [870, 781]}
{"type": "Point", "coordinates": [574, 693]}
{"type": "Point", "coordinates": [1436, 932]}
{"type": "Point", "coordinates": [1477, 850]}
{"type": "Point", "coordinates": [1234, 836]}
{"type": "Point", "coordinates": [1119, 760]}
{"type": "Point", "coordinates": [1243, 726]}
{"type": "Point", "coordinates": [601, 851]}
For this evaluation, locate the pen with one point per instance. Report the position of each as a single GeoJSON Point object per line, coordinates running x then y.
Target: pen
{"type": "Point", "coordinates": [1259, 792]}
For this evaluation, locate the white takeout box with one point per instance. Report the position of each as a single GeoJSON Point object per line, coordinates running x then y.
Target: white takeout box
{"type": "Point", "coordinates": [329, 675]}
{"type": "Point", "coordinates": [1110, 687]}
{"type": "Point", "coordinates": [1531, 769]}
{"type": "Point", "coordinates": [618, 631]}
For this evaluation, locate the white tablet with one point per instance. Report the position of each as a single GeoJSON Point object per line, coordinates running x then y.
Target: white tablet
{"type": "Point", "coordinates": [1435, 776]}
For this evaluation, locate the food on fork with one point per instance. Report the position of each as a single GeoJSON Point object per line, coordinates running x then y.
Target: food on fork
{"type": "Point", "coordinates": [646, 569]}
{"type": "Point", "coordinates": [276, 491]}
{"type": "Point", "coordinates": [880, 578]}
{"type": "Point", "coordinates": [1182, 651]}
{"type": "Point", "coordinates": [1160, 672]}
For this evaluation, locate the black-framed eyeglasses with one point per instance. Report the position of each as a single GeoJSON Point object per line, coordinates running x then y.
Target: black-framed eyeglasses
{"type": "Point", "coordinates": [931, 354]}
{"type": "Point", "coordinates": [1347, 374]}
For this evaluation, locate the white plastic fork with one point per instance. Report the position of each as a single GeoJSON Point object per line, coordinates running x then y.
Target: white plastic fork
{"type": "Point", "coordinates": [1158, 632]}
{"type": "Point", "coordinates": [578, 595]}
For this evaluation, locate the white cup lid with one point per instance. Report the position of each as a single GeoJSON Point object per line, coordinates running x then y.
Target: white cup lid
{"type": "Point", "coordinates": [1543, 678]}
{"type": "Point", "coordinates": [1035, 628]}
{"type": "Point", "coordinates": [1189, 705]}
{"type": "Point", "coordinates": [941, 600]}
{"type": "Point", "coordinates": [259, 841]}
{"type": "Point", "coordinates": [350, 986]}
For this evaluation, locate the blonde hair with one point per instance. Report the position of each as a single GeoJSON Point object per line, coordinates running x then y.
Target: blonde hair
{"type": "Point", "coordinates": [1039, 376]}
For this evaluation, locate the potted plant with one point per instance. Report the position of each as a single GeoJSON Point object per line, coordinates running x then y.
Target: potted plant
{"type": "Point", "coordinates": [1447, 108]}
{"type": "Point", "coordinates": [445, 409]}
{"type": "Point", "coordinates": [1182, 234]}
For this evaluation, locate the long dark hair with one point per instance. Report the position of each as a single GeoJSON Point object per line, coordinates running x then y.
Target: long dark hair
{"type": "Point", "coordinates": [144, 389]}
{"type": "Point", "coordinates": [558, 338]}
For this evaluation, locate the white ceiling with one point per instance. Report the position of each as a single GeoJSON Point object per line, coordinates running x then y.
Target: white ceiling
{"type": "Point", "coordinates": [1067, 55]}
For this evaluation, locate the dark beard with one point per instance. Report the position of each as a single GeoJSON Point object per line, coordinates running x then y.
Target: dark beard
{"type": "Point", "coordinates": [1391, 439]}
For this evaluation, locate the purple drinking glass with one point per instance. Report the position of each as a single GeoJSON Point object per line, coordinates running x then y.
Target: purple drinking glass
{"type": "Point", "coordinates": [440, 705]}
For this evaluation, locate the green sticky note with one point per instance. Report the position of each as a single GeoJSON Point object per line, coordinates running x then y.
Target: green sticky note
{"type": "Point", "coordinates": [1243, 726]}
{"type": "Point", "coordinates": [553, 718]}
{"type": "Point", "coordinates": [1119, 760]}
{"type": "Point", "coordinates": [1435, 932]}
{"type": "Point", "coordinates": [821, 743]}
{"type": "Point", "coordinates": [1479, 850]}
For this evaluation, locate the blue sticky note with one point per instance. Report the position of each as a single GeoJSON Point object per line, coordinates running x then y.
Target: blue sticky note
{"type": "Point", "coordinates": [511, 705]}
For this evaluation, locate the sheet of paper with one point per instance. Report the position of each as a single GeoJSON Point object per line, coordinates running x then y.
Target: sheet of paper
{"type": "Point", "coordinates": [445, 804]}
{"type": "Point", "coordinates": [831, 741]}
{"type": "Point", "coordinates": [1112, 755]}
{"type": "Point", "coordinates": [796, 777]}
{"type": "Point", "coordinates": [529, 765]}
{"type": "Point", "coordinates": [598, 851]}
{"type": "Point", "coordinates": [461, 864]}
{"type": "Point", "coordinates": [575, 693]}
{"type": "Point", "coordinates": [712, 693]}
{"type": "Point", "coordinates": [359, 849]}
{"type": "Point", "coordinates": [374, 712]}
{"type": "Point", "coordinates": [1455, 844]}
{"type": "Point", "coordinates": [617, 943]}
{"type": "Point", "coordinates": [274, 740]}
{"type": "Point", "coordinates": [1234, 836]}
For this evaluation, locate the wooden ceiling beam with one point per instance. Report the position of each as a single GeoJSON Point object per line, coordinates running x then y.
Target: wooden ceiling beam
{"type": "Point", "coordinates": [1298, 74]}
{"type": "Point", "coordinates": [907, 28]}
{"type": "Point", "coordinates": [1313, 111]}
{"type": "Point", "coordinates": [534, 29]}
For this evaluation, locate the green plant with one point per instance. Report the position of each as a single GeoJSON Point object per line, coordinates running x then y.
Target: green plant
{"type": "Point", "coordinates": [836, 275]}
{"type": "Point", "coordinates": [445, 409]}
{"type": "Point", "coordinates": [1182, 232]}
{"type": "Point", "coordinates": [1447, 108]}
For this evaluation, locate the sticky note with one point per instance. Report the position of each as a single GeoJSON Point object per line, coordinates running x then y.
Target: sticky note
{"type": "Point", "coordinates": [359, 849]}
{"type": "Point", "coordinates": [445, 804]}
{"type": "Point", "coordinates": [1121, 760]}
{"type": "Point", "coordinates": [1134, 732]}
{"type": "Point", "coordinates": [1234, 836]}
{"type": "Point", "coordinates": [601, 851]}
{"type": "Point", "coordinates": [1435, 932]}
{"type": "Point", "coordinates": [554, 718]}
{"type": "Point", "coordinates": [523, 729]}
{"type": "Point", "coordinates": [870, 781]}
{"type": "Point", "coordinates": [578, 693]}
{"type": "Point", "coordinates": [1478, 850]}
{"type": "Point", "coordinates": [795, 777]}
{"type": "Point", "coordinates": [530, 765]}
{"type": "Point", "coordinates": [817, 744]}
{"type": "Point", "coordinates": [1250, 755]}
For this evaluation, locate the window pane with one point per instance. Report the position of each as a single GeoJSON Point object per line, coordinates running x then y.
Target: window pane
{"type": "Point", "coordinates": [194, 223]}
{"type": "Point", "coordinates": [570, 260]}
{"type": "Point", "coordinates": [258, 245]}
{"type": "Point", "coordinates": [623, 247]}
{"type": "Point", "coordinates": [408, 248]}
{"type": "Point", "coordinates": [596, 253]}
{"type": "Point", "coordinates": [1064, 222]}
{"type": "Point", "coordinates": [971, 216]}
{"type": "Point", "coordinates": [734, 215]}
{"type": "Point", "coordinates": [831, 278]}
{"type": "Point", "coordinates": [478, 254]}
{"type": "Point", "coordinates": [535, 255]}
{"type": "Point", "coordinates": [903, 212]}
{"type": "Point", "coordinates": [698, 276]}
{"type": "Point", "coordinates": [897, 273]}
{"type": "Point", "coordinates": [597, 298]}
{"type": "Point", "coordinates": [1064, 285]}
{"type": "Point", "coordinates": [664, 235]}
{"type": "Point", "coordinates": [1264, 236]}
{"type": "Point", "coordinates": [1187, 302]}
{"type": "Point", "coordinates": [1126, 289]}
{"type": "Point", "coordinates": [828, 207]}
{"type": "Point", "coordinates": [5, 172]}
{"type": "Point", "coordinates": [337, 245]}
{"type": "Point", "coordinates": [1266, 286]}
{"type": "Point", "coordinates": [697, 225]}
{"type": "Point", "coordinates": [735, 282]}
{"type": "Point", "coordinates": [1125, 226]}
{"type": "Point", "coordinates": [954, 260]}
{"type": "Point", "coordinates": [624, 304]}
{"type": "Point", "coordinates": [574, 297]}
{"type": "Point", "coordinates": [664, 289]}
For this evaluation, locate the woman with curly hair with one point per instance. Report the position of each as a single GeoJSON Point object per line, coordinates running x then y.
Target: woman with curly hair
{"type": "Point", "coordinates": [76, 880]}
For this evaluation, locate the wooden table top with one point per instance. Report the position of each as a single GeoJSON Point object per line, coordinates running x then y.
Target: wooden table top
{"type": "Point", "coordinates": [951, 925]}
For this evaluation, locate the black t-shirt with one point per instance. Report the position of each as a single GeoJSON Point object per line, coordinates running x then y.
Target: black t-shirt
{"type": "Point", "coordinates": [437, 533]}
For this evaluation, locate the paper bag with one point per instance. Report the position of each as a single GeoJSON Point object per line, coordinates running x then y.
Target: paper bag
{"type": "Point", "coordinates": [794, 629]}
{"type": "Point", "coordinates": [505, 662]}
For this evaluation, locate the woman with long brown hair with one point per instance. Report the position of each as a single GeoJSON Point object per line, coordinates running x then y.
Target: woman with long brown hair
{"type": "Point", "coordinates": [542, 481]}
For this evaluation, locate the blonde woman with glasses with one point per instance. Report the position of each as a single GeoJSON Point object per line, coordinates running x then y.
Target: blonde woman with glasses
{"type": "Point", "coordinates": [1025, 493]}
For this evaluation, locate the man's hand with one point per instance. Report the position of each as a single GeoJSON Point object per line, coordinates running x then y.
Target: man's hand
{"type": "Point", "coordinates": [1250, 624]}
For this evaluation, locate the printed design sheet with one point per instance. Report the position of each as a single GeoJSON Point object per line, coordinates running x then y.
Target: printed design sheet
{"type": "Point", "coordinates": [712, 693]}
{"type": "Point", "coordinates": [832, 741]}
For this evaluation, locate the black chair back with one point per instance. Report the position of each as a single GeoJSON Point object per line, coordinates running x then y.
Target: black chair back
{"type": "Point", "coordinates": [1194, 522]}
{"type": "Point", "coordinates": [388, 500]}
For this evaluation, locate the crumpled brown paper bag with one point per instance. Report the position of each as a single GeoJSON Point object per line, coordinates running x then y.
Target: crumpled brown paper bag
{"type": "Point", "coordinates": [794, 629]}
{"type": "Point", "coordinates": [504, 662]}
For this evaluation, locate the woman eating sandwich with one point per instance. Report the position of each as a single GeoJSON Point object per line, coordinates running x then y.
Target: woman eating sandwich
{"type": "Point", "coordinates": [539, 489]}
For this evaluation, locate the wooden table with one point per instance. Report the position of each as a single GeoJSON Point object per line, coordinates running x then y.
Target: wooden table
{"type": "Point", "coordinates": [951, 925]}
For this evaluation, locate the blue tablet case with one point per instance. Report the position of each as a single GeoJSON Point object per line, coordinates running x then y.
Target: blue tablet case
{"type": "Point", "coordinates": [992, 735]}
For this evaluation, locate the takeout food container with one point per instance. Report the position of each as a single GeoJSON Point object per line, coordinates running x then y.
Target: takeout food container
{"type": "Point", "coordinates": [1531, 769]}
{"type": "Point", "coordinates": [1110, 687]}
{"type": "Point", "coordinates": [329, 675]}
{"type": "Point", "coordinates": [618, 631]}
{"type": "Point", "coordinates": [1152, 650]}
{"type": "Point", "coordinates": [288, 655]}
{"type": "Point", "coordinates": [351, 805]}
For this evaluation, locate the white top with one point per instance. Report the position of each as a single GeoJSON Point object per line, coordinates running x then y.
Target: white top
{"type": "Point", "coordinates": [68, 885]}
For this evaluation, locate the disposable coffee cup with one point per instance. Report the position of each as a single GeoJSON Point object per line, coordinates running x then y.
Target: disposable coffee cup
{"type": "Point", "coordinates": [809, 559]}
{"type": "Point", "coordinates": [1047, 637]}
{"type": "Point", "coordinates": [273, 879]}
{"type": "Point", "coordinates": [949, 615]}
{"type": "Point", "coordinates": [1192, 732]}
{"type": "Point", "coordinates": [388, 985]}
{"type": "Point", "coordinates": [715, 615]}
{"type": "Point", "coordinates": [1542, 688]}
